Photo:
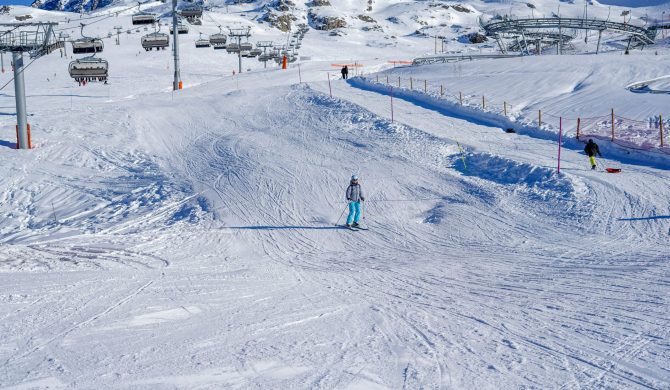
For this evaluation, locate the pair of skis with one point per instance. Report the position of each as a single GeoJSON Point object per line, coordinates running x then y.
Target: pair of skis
{"type": "Point", "coordinates": [354, 228]}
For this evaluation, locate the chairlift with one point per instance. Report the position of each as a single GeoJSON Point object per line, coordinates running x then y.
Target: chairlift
{"type": "Point", "coordinates": [202, 42]}
{"type": "Point", "coordinates": [218, 40]}
{"type": "Point", "coordinates": [142, 17]}
{"type": "Point", "coordinates": [89, 69]}
{"type": "Point", "coordinates": [181, 29]}
{"type": "Point", "coordinates": [246, 46]}
{"type": "Point", "coordinates": [255, 52]}
{"type": "Point", "coordinates": [86, 44]}
{"type": "Point", "coordinates": [232, 48]}
{"type": "Point", "coordinates": [191, 12]}
{"type": "Point", "coordinates": [156, 40]}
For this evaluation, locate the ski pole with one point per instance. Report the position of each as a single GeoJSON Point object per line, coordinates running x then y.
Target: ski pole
{"type": "Point", "coordinates": [338, 220]}
{"type": "Point", "coordinates": [363, 211]}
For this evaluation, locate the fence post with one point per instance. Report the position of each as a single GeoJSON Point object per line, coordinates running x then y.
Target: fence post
{"type": "Point", "coordinates": [377, 79]}
{"type": "Point", "coordinates": [387, 79]}
{"type": "Point", "coordinates": [612, 125]}
{"type": "Point", "coordinates": [539, 118]}
{"type": "Point", "coordinates": [483, 103]}
{"type": "Point", "coordinates": [441, 90]}
{"type": "Point", "coordinates": [505, 108]}
{"type": "Point", "coordinates": [329, 88]}
{"type": "Point", "coordinates": [660, 118]}
{"type": "Point", "coordinates": [391, 93]}
{"type": "Point", "coordinates": [411, 84]}
{"type": "Point", "coordinates": [560, 138]}
{"type": "Point", "coordinates": [578, 125]}
{"type": "Point", "coordinates": [460, 97]}
{"type": "Point", "coordinates": [398, 81]}
{"type": "Point", "coordinates": [425, 86]}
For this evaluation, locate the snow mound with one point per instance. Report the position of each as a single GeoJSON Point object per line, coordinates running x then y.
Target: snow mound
{"type": "Point", "coordinates": [540, 183]}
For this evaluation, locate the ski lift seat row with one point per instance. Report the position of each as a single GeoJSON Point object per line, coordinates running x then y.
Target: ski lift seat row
{"type": "Point", "coordinates": [89, 69]}
{"type": "Point", "coordinates": [218, 39]}
{"type": "Point", "coordinates": [155, 40]}
{"type": "Point", "coordinates": [232, 48]}
{"type": "Point", "coordinates": [87, 45]}
{"type": "Point", "coordinates": [181, 29]}
{"type": "Point", "coordinates": [143, 18]}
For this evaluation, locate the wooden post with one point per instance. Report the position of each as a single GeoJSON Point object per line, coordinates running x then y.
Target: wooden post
{"type": "Point", "coordinates": [612, 125]}
{"type": "Point", "coordinates": [660, 118]}
{"type": "Point", "coordinates": [425, 86]}
{"type": "Point", "coordinates": [483, 103]}
{"type": "Point", "coordinates": [579, 122]}
{"type": "Point", "coordinates": [505, 108]}
{"type": "Point", "coordinates": [411, 84]}
{"type": "Point", "coordinates": [441, 90]}
{"type": "Point", "coordinates": [460, 97]}
{"type": "Point", "coordinates": [539, 118]}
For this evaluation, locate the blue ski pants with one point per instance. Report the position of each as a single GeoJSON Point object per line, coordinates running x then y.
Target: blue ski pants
{"type": "Point", "coordinates": [354, 212]}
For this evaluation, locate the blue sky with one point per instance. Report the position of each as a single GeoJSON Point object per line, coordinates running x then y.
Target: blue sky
{"type": "Point", "coordinates": [16, 2]}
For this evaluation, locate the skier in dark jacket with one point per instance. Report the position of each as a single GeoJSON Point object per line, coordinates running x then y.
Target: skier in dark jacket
{"type": "Point", "coordinates": [591, 149]}
{"type": "Point", "coordinates": [345, 72]}
{"type": "Point", "coordinates": [355, 197]}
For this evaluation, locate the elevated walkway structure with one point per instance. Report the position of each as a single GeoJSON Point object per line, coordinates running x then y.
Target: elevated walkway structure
{"type": "Point", "coordinates": [520, 28]}
{"type": "Point", "coordinates": [458, 57]}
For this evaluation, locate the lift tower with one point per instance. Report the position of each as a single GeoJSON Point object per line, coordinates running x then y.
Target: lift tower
{"type": "Point", "coordinates": [36, 39]}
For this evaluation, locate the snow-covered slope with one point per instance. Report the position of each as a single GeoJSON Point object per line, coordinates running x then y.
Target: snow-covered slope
{"type": "Point", "coordinates": [159, 239]}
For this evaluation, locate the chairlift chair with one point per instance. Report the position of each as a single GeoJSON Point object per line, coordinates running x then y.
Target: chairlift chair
{"type": "Point", "coordinates": [246, 46]}
{"type": "Point", "coordinates": [156, 40]}
{"type": "Point", "coordinates": [202, 42]}
{"type": "Point", "coordinates": [255, 52]}
{"type": "Point", "coordinates": [232, 48]}
{"type": "Point", "coordinates": [86, 44]}
{"type": "Point", "coordinates": [89, 69]}
{"type": "Point", "coordinates": [181, 29]}
{"type": "Point", "coordinates": [218, 40]}
{"type": "Point", "coordinates": [144, 18]}
{"type": "Point", "coordinates": [191, 12]}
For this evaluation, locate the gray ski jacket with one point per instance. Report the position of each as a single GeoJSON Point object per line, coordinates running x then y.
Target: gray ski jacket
{"type": "Point", "coordinates": [355, 193]}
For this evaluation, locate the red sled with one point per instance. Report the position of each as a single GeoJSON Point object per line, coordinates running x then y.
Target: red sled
{"type": "Point", "coordinates": [613, 170]}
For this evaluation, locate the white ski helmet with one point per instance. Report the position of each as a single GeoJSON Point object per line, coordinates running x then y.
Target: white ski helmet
{"type": "Point", "coordinates": [354, 177]}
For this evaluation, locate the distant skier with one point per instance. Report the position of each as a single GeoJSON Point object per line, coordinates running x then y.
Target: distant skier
{"type": "Point", "coordinates": [345, 72]}
{"type": "Point", "coordinates": [591, 150]}
{"type": "Point", "coordinates": [355, 197]}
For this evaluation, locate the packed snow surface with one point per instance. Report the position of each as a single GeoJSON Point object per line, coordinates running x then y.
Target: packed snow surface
{"type": "Point", "coordinates": [159, 239]}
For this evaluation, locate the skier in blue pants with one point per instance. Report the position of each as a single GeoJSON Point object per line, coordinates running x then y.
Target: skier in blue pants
{"type": "Point", "coordinates": [355, 197]}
